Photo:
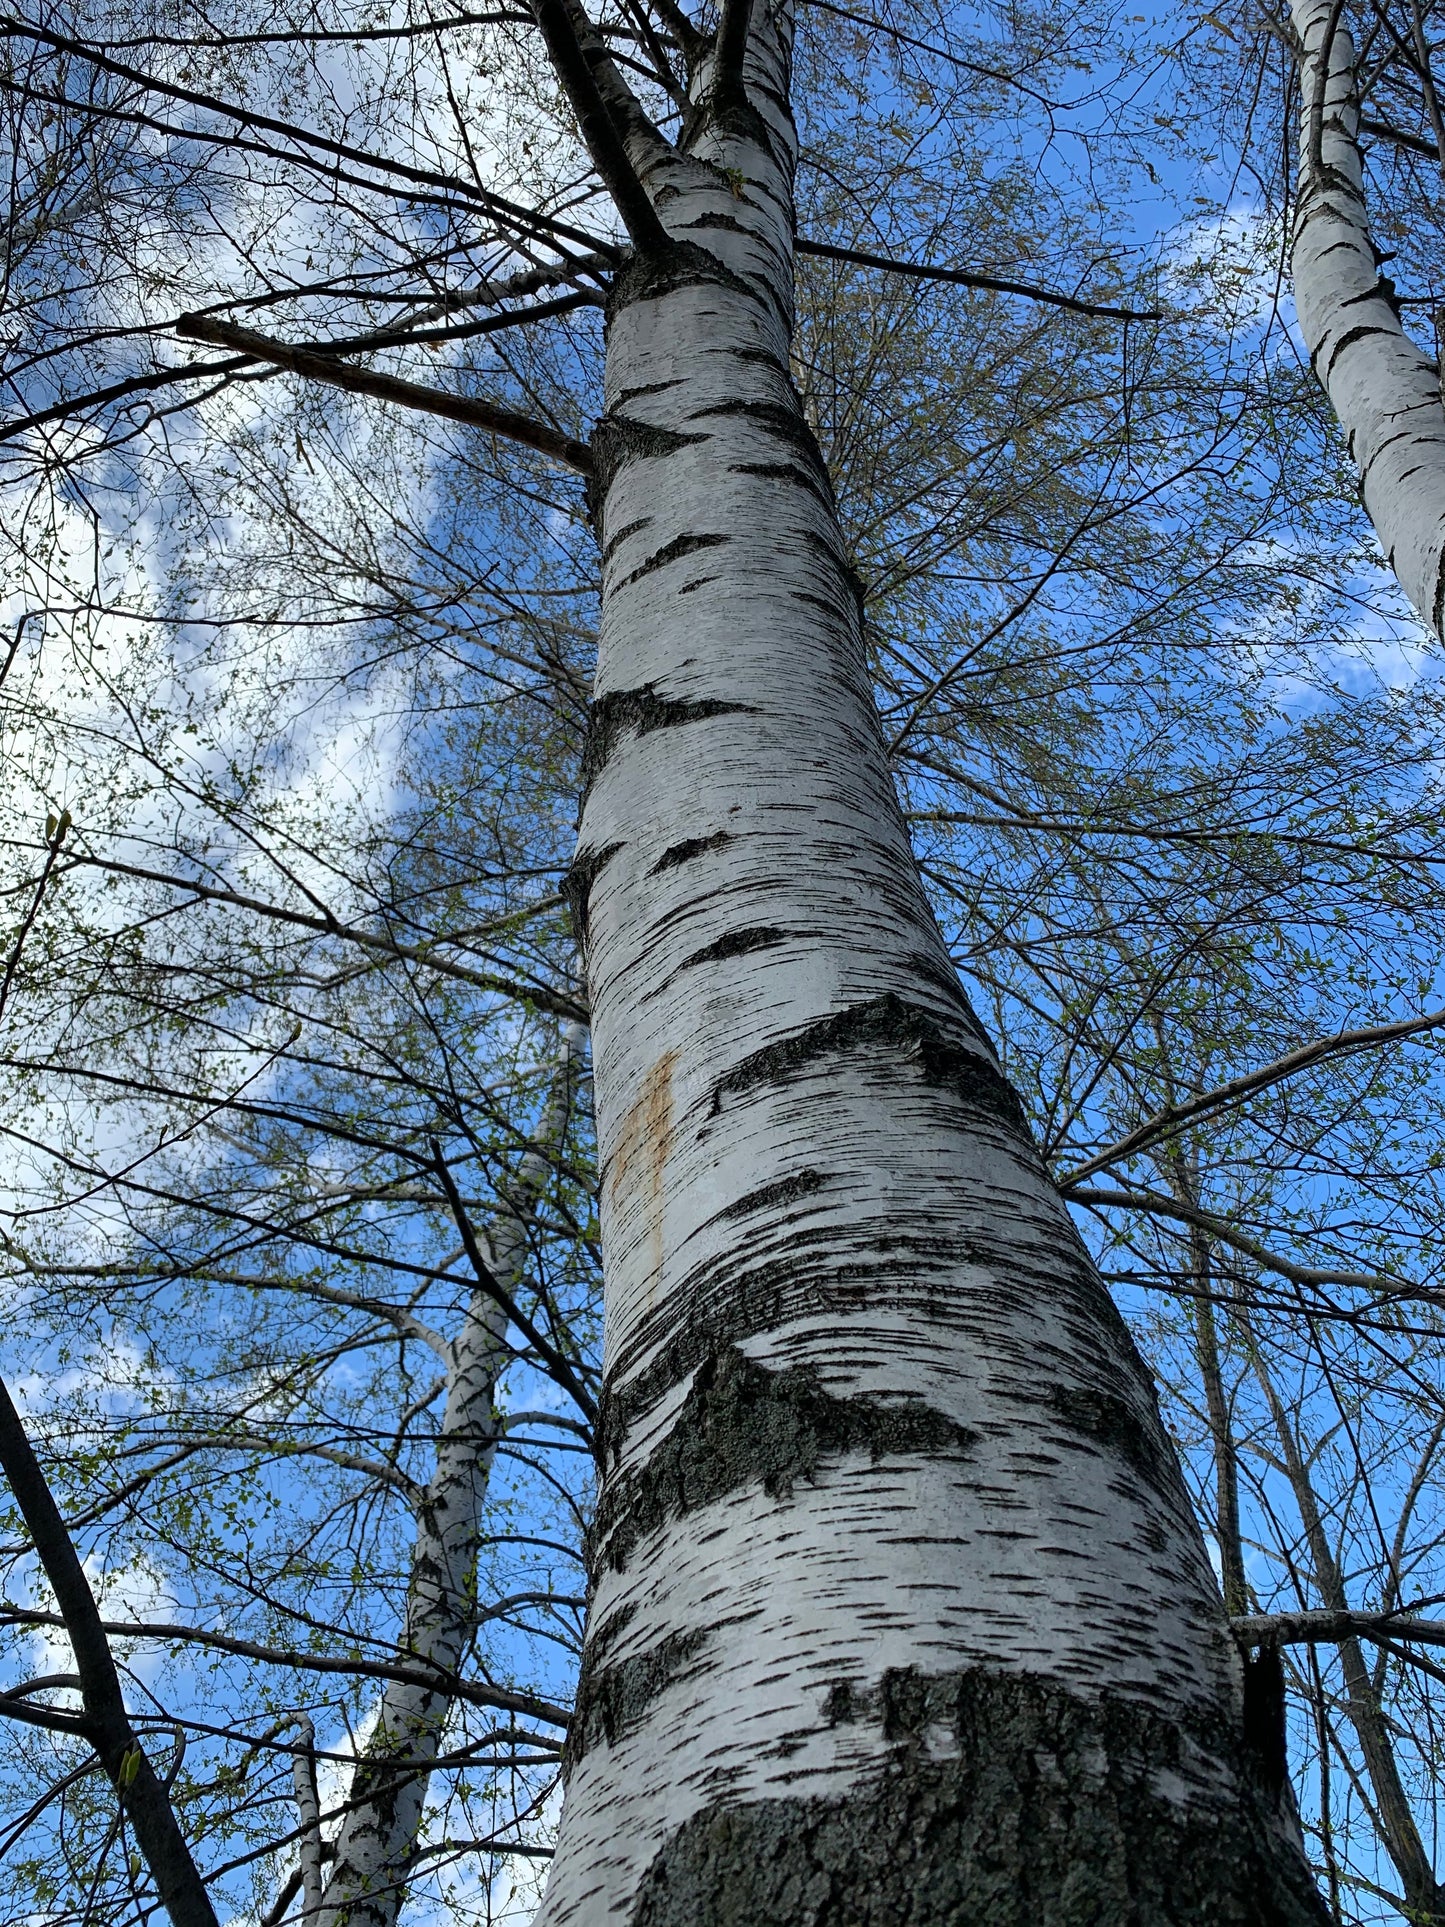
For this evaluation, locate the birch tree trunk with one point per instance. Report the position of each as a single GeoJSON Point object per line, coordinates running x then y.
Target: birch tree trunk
{"type": "Point", "coordinates": [1385, 390]}
{"type": "Point", "coordinates": [899, 1610]}
{"type": "Point", "coordinates": [388, 1792]}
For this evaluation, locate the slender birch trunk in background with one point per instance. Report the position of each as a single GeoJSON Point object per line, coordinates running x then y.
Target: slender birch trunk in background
{"type": "Point", "coordinates": [1423, 1897]}
{"type": "Point", "coordinates": [1385, 390]}
{"type": "Point", "coordinates": [899, 1610]}
{"type": "Point", "coordinates": [1221, 1432]}
{"type": "Point", "coordinates": [380, 1834]}
{"type": "Point", "coordinates": [1183, 1181]}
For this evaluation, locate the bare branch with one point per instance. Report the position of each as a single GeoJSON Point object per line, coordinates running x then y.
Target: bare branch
{"type": "Point", "coordinates": [1343, 1044]}
{"type": "Point", "coordinates": [431, 1678]}
{"type": "Point", "coordinates": [970, 278]}
{"type": "Point", "coordinates": [1226, 1233]}
{"type": "Point", "coordinates": [1323, 1627]}
{"type": "Point", "coordinates": [562, 1367]}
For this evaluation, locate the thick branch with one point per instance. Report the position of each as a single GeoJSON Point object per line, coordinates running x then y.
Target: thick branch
{"type": "Point", "coordinates": [106, 1722]}
{"type": "Point", "coordinates": [600, 133]}
{"type": "Point", "coordinates": [1416, 143]}
{"type": "Point", "coordinates": [407, 394]}
{"type": "Point", "coordinates": [729, 49]}
{"type": "Point", "coordinates": [308, 1811]}
{"type": "Point", "coordinates": [414, 335]}
{"type": "Point", "coordinates": [1323, 1627]}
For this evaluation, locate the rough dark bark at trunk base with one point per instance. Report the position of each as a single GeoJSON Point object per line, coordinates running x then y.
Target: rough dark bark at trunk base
{"type": "Point", "coordinates": [1049, 1816]}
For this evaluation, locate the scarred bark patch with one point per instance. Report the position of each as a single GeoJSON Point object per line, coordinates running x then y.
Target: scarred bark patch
{"type": "Point", "coordinates": [727, 1306]}
{"type": "Point", "coordinates": [742, 1425]}
{"type": "Point", "coordinates": [899, 1029]}
{"type": "Point", "coordinates": [612, 1699]}
{"type": "Point", "coordinates": [638, 712]}
{"type": "Point", "coordinates": [1049, 1810]}
{"type": "Point", "coordinates": [690, 847]}
{"type": "Point", "coordinates": [577, 885]}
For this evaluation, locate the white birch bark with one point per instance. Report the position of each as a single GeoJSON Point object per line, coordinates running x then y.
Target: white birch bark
{"type": "Point", "coordinates": [308, 1812]}
{"type": "Point", "coordinates": [1385, 390]}
{"type": "Point", "coordinates": [894, 1577]}
{"type": "Point", "coordinates": [380, 1834]}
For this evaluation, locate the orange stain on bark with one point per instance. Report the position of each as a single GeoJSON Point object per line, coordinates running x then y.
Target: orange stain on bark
{"type": "Point", "coordinates": [639, 1164]}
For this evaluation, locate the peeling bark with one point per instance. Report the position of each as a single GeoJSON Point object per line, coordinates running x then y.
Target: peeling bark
{"type": "Point", "coordinates": [1385, 390]}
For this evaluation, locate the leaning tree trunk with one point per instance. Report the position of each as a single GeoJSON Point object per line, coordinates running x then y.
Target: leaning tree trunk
{"type": "Point", "coordinates": [1385, 390]}
{"type": "Point", "coordinates": [387, 1798]}
{"type": "Point", "coordinates": [899, 1611]}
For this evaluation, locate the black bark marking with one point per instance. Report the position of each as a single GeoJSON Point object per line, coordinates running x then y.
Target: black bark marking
{"type": "Point", "coordinates": [577, 886]}
{"type": "Point", "coordinates": [830, 547]}
{"type": "Point", "coordinates": [787, 472]}
{"type": "Point", "coordinates": [1348, 339]}
{"type": "Point", "coordinates": [1110, 1420]}
{"type": "Point", "coordinates": [737, 943]}
{"type": "Point", "coordinates": [901, 1031]}
{"type": "Point", "coordinates": [784, 423]}
{"type": "Point", "coordinates": [672, 551]}
{"type": "Point", "coordinates": [802, 1184]}
{"type": "Point", "coordinates": [690, 847]}
{"type": "Point", "coordinates": [753, 357]}
{"type": "Point", "coordinates": [646, 388]}
{"type": "Point", "coordinates": [660, 272]}
{"type": "Point", "coordinates": [612, 1699]}
{"type": "Point", "coordinates": [698, 582]}
{"type": "Point", "coordinates": [614, 542]}
{"type": "Point", "coordinates": [619, 439]}
{"type": "Point", "coordinates": [724, 112]}
{"type": "Point", "coordinates": [639, 712]}
{"type": "Point", "coordinates": [742, 1425]}
{"type": "Point", "coordinates": [943, 977]}
{"type": "Point", "coordinates": [728, 221]}
{"type": "Point", "coordinates": [1050, 1816]}
{"type": "Point", "coordinates": [836, 610]}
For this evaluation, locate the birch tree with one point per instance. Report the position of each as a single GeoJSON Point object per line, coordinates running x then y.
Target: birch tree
{"type": "Point", "coordinates": [1383, 386]}
{"type": "Point", "coordinates": [852, 1336]}
{"type": "Point", "coordinates": [782, 1143]}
